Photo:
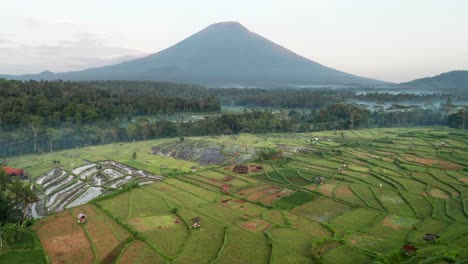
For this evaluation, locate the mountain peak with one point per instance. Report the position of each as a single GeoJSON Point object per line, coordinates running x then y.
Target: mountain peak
{"type": "Point", "coordinates": [230, 26]}
{"type": "Point", "coordinates": [222, 54]}
{"type": "Point", "coordinates": [225, 24]}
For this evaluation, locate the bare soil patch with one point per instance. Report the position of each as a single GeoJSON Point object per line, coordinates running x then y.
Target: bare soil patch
{"type": "Point", "coordinates": [344, 191]}
{"type": "Point", "coordinates": [101, 234]}
{"type": "Point", "coordinates": [256, 225]}
{"type": "Point", "coordinates": [438, 194]}
{"type": "Point", "coordinates": [327, 189]}
{"type": "Point", "coordinates": [249, 191]}
{"type": "Point", "coordinates": [429, 162]}
{"type": "Point", "coordinates": [228, 178]}
{"type": "Point", "coordinates": [389, 223]}
{"type": "Point", "coordinates": [257, 195]}
{"type": "Point", "coordinates": [65, 241]}
{"type": "Point", "coordinates": [270, 199]}
{"type": "Point", "coordinates": [132, 252]}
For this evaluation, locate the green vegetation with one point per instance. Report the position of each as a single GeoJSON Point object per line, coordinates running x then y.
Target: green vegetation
{"type": "Point", "coordinates": [366, 209]}
{"type": "Point", "coordinates": [295, 199]}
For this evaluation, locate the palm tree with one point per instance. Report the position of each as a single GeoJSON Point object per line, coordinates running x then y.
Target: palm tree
{"type": "Point", "coordinates": [22, 195]}
{"type": "Point", "coordinates": [16, 189]}
{"type": "Point", "coordinates": [3, 179]}
{"type": "Point", "coordinates": [28, 197]}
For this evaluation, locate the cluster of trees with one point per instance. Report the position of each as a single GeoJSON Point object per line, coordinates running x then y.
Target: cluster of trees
{"type": "Point", "coordinates": [459, 118]}
{"type": "Point", "coordinates": [338, 116]}
{"type": "Point", "coordinates": [55, 103]}
{"type": "Point", "coordinates": [15, 197]}
{"type": "Point", "coordinates": [300, 98]}
{"type": "Point", "coordinates": [46, 116]}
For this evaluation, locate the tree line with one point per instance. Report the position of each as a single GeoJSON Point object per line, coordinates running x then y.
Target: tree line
{"type": "Point", "coordinates": [39, 117]}
{"type": "Point", "coordinates": [57, 102]}
{"type": "Point", "coordinates": [337, 116]}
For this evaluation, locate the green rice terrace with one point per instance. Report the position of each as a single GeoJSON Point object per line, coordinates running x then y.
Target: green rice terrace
{"type": "Point", "coordinates": [361, 196]}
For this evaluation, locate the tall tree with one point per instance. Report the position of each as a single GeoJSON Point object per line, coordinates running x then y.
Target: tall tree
{"type": "Point", "coordinates": [28, 197]}
{"type": "Point", "coordinates": [35, 122]}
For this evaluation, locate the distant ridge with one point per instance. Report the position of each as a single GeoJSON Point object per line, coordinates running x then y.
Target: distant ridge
{"type": "Point", "coordinates": [453, 81]}
{"type": "Point", "coordinates": [223, 54]}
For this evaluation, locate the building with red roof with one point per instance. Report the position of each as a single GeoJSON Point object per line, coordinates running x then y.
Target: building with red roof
{"type": "Point", "coordinates": [13, 172]}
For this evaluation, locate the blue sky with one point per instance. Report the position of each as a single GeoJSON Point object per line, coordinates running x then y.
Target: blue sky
{"type": "Point", "coordinates": [392, 40]}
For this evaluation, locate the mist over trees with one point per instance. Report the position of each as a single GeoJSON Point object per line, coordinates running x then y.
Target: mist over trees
{"type": "Point", "coordinates": [37, 117]}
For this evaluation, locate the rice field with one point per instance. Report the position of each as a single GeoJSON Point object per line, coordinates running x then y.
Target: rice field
{"type": "Point", "coordinates": [354, 200]}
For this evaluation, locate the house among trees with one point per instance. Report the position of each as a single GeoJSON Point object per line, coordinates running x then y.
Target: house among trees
{"type": "Point", "coordinates": [431, 237]}
{"type": "Point", "coordinates": [13, 172]}
{"type": "Point", "coordinates": [240, 169]}
{"type": "Point", "coordinates": [196, 222]}
{"type": "Point", "coordinates": [82, 218]}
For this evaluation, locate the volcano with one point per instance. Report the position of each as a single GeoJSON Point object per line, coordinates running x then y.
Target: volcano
{"type": "Point", "coordinates": [224, 54]}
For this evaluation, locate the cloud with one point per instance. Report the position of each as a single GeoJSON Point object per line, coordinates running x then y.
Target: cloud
{"type": "Point", "coordinates": [36, 22]}
{"type": "Point", "coordinates": [85, 50]}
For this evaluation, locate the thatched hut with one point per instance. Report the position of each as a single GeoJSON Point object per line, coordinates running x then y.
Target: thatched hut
{"type": "Point", "coordinates": [240, 169]}
{"type": "Point", "coordinates": [319, 180]}
{"type": "Point", "coordinates": [196, 222]}
{"type": "Point", "coordinates": [430, 237]}
{"type": "Point", "coordinates": [82, 218]}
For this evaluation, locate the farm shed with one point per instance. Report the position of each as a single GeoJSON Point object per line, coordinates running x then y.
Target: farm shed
{"type": "Point", "coordinates": [240, 169]}
{"type": "Point", "coordinates": [82, 218]}
{"type": "Point", "coordinates": [430, 237]}
{"type": "Point", "coordinates": [196, 222]}
{"type": "Point", "coordinates": [226, 188]}
{"type": "Point", "coordinates": [319, 180]}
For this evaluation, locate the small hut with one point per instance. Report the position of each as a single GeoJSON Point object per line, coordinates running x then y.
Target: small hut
{"type": "Point", "coordinates": [240, 169]}
{"type": "Point", "coordinates": [256, 168]}
{"type": "Point", "coordinates": [319, 180]}
{"type": "Point", "coordinates": [431, 237]}
{"type": "Point", "coordinates": [409, 250]}
{"type": "Point", "coordinates": [193, 168]}
{"type": "Point", "coordinates": [82, 218]}
{"type": "Point", "coordinates": [196, 222]}
{"type": "Point", "coordinates": [226, 188]}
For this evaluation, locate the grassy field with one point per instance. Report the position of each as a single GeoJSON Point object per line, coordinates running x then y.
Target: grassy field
{"type": "Point", "coordinates": [383, 189]}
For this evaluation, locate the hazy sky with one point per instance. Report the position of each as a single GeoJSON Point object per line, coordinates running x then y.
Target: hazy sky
{"type": "Point", "coordinates": [391, 40]}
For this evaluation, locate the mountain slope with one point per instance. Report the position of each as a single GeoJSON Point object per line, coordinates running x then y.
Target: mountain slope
{"type": "Point", "coordinates": [223, 54]}
{"type": "Point", "coordinates": [454, 81]}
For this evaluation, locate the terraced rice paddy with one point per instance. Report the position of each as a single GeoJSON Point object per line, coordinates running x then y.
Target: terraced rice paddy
{"type": "Point", "coordinates": [63, 189]}
{"type": "Point", "coordinates": [377, 195]}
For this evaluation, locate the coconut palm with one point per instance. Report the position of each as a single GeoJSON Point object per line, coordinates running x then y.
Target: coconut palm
{"type": "Point", "coordinates": [28, 197]}
{"type": "Point", "coordinates": [15, 189]}
{"type": "Point", "coordinates": [22, 195]}
{"type": "Point", "coordinates": [3, 180]}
